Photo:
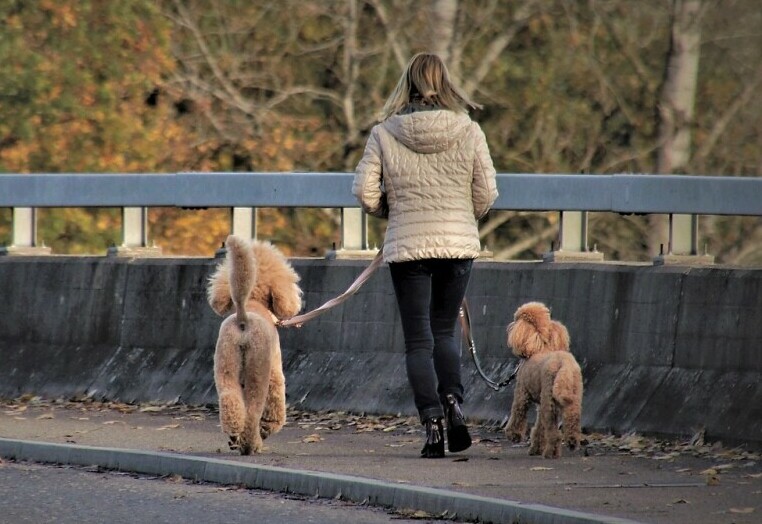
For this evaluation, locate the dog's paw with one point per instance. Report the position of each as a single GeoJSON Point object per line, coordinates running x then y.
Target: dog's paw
{"type": "Point", "coordinates": [552, 452]}
{"type": "Point", "coordinates": [266, 428]}
{"type": "Point", "coordinates": [245, 448]}
{"type": "Point", "coordinates": [514, 436]}
{"type": "Point", "coordinates": [233, 442]}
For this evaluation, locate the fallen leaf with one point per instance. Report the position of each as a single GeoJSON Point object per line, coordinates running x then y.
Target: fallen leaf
{"type": "Point", "coordinates": [698, 438]}
{"type": "Point", "coordinates": [540, 468]}
{"type": "Point", "coordinates": [123, 408]}
{"type": "Point", "coordinates": [680, 501]}
{"type": "Point", "coordinates": [414, 514]}
{"type": "Point", "coordinates": [168, 426]}
{"type": "Point", "coordinates": [45, 416]}
{"type": "Point", "coordinates": [742, 510]}
{"type": "Point", "coordinates": [710, 471]}
{"type": "Point", "coordinates": [312, 438]}
{"type": "Point", "coordinates": [150, 409]}
{"type": "Point", "coordinates": [712, 480]}
{"type": "Point", "coordinates": [669, 456]}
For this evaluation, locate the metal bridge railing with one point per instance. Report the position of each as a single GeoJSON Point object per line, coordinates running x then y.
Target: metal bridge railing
{"type": "Point", "coordinates": [682, 197]}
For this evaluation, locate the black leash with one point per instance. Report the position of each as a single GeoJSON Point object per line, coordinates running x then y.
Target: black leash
{"type": "Point", "coordinates": [465, 323]}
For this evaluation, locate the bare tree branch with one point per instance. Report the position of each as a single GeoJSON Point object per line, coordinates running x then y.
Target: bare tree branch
{"type": "Point", "coordinates": [498, 45]}
{"type": "Point", "coordinates": [740, 101]}
{"type": "Point", "coordinates": [235, 96]}
{"type": "Point", "coordinates": [495, 221]}
{"type": "Point", "coordinates": [393, 38]}
{"type": "Point", "coordinates": [351, 70]}
{"type": "Point", "coordinates": [527, 243]}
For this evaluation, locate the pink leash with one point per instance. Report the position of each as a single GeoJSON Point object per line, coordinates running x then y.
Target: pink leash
{"type": "Point", "coordinates": [351, 290]}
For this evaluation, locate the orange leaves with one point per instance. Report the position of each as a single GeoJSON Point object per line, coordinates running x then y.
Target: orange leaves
{"type": "Point", "coordinates": [62, 14]}
{"type": "Point", "coordinates": [189, 232]}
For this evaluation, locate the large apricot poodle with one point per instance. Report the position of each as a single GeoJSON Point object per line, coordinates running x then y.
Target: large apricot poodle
{"type": "Point", "coordinates": [549, 376]}
{"type": "Point", "coordinates": [255, 286]}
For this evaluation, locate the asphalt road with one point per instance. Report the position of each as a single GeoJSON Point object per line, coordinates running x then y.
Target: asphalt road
{"type": "Point", "coordinates": [38, 494]}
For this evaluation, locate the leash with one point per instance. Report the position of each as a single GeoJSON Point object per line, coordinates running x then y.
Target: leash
{"type": "Point", "coordinates": [465, 323]}
{"type": "Point", "coordinates": [351, 290]}
{"type": "Point", "coordinates": [465, 320]}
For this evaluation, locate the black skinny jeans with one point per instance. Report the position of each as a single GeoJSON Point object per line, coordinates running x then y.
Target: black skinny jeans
{"type": "Point", "coordinates": [429, 293]}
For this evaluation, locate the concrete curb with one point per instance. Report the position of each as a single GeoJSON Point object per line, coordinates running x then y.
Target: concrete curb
{"type": "Point", "coordinates": [308, 483]}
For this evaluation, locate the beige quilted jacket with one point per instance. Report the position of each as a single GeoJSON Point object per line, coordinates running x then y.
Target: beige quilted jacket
{"type": "Point", "coordinates": [431, 174]}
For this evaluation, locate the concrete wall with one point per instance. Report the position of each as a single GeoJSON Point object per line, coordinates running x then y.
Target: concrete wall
{"type": "Point", "coordinates": [664, 350]}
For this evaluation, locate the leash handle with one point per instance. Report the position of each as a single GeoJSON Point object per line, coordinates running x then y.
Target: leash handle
{"type": "Point", "coordinates": [351, 290]}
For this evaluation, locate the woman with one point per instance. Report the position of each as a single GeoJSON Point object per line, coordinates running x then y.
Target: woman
{"type": "Point", "coordinates": [427, 168]}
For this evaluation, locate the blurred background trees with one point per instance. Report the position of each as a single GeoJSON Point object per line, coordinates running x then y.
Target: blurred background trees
{"type": "Point", "coordinates": [593, 86]}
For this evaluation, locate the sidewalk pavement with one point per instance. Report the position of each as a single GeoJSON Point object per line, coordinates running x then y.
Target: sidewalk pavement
{"type": "Point", "coordinates": [375, 459]}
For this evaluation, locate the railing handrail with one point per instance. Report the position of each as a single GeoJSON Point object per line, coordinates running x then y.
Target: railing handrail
{"type": "Point", "coordinates": [620, 193]}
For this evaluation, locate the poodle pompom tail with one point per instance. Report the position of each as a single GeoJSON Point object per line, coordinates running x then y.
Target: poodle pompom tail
{"type": "Point", "coordinates": [243, 274]}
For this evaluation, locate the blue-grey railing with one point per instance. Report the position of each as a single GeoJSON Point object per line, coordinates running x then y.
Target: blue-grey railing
{"type": "Point", "coordinates": [682, 197]}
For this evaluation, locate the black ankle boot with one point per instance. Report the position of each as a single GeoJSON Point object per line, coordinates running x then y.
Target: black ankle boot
{"type": "Point", "coordinates": [458, 438]}
{"type": "Point", "coordinates": [434, 447]}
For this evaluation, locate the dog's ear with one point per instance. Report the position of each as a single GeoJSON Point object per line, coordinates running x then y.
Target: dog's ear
{"type": "Point", "coordinates": [218, 290]}
{"type": "Point", "coordinates": [559, 337]}
{"type": "Point", "coordinates": [524, 339]}
{"type": "Point", "coordinates": [287, 300]}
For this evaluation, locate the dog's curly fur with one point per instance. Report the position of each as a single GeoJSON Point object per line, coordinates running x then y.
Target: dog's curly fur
{"type": "Point", "coordinates": [254, 286]}
{"type": "Point", "coordinates": [550, 376]}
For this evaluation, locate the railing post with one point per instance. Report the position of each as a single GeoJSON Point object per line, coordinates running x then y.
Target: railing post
{"type": "Point", "coordinates": [682, 245]}
{"type": "Point", "coordinates": [683, 234]}
{"type": "Point", "coordinates": [354, 235]}
{"type": "Point", "coordinates": [244, 222]}
{"type": "Point", "coordinates": [24, 240]}
{"type": "Point", "coordinates": [134, 235]}
{"type": "Point", "coordinates": [573, 240]}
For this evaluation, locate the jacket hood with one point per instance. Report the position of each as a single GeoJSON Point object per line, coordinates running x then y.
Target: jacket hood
{"type": "Point", "coordinates": [431, 131]}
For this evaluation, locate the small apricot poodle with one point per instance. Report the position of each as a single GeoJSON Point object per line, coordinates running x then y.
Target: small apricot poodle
{"type": "Point", "coordinates": [255, 286]}
{"type": "Point", "coordinates": [549, 376]}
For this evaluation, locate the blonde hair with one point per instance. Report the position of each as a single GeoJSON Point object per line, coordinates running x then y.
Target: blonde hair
{"type": "Point", "coordinates": [426, 76]}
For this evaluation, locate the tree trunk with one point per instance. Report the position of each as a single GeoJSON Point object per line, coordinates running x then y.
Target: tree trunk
{"type": "Point", "coordinates": [677, 102]}
{"type": "Point", "coordinates": [443, 17]}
